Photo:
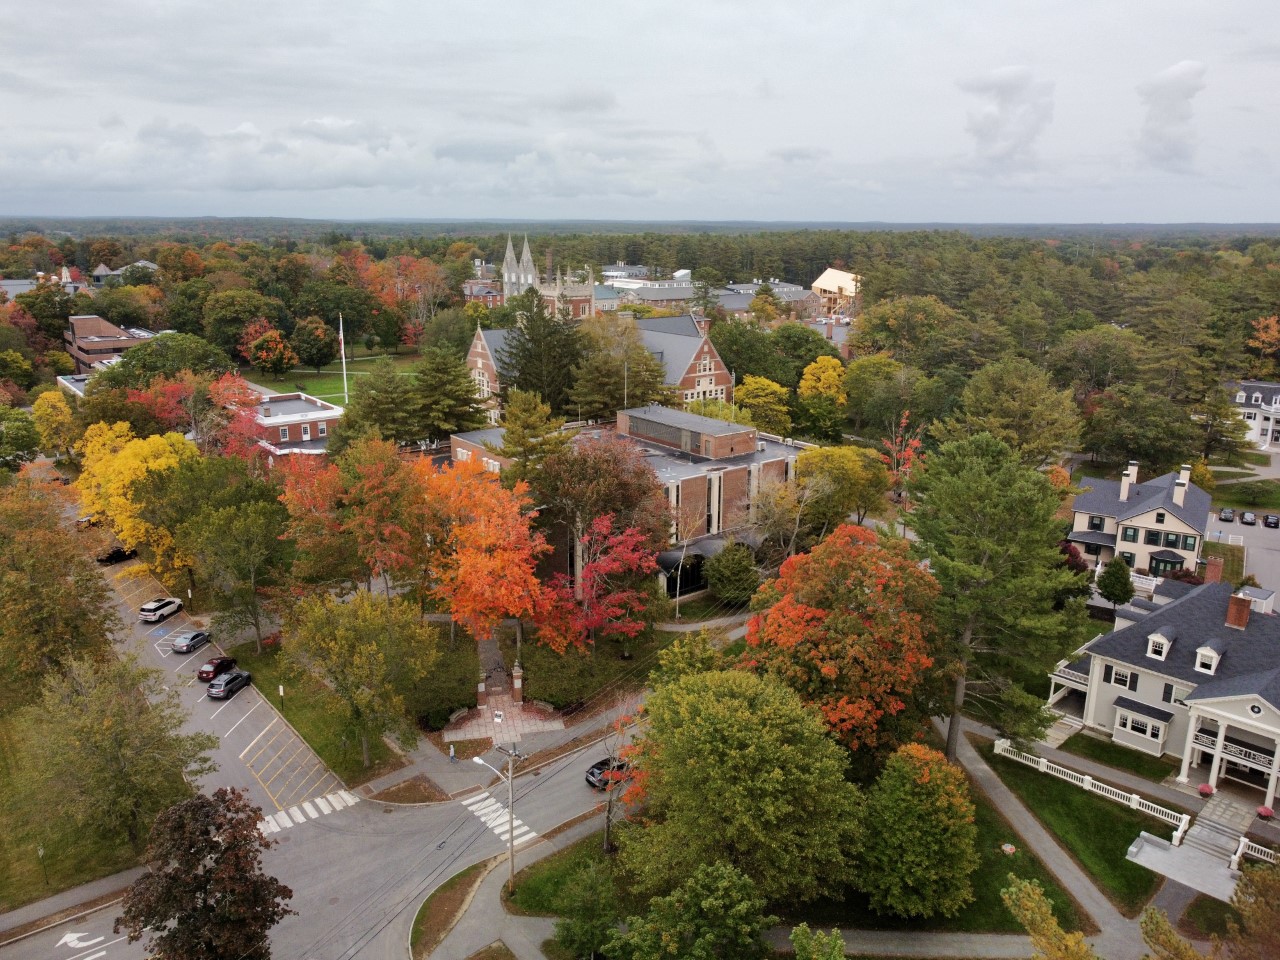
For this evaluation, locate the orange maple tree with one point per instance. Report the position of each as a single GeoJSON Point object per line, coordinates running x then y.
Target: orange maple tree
{"type": "Point", "coordinates": [1266, 336]}
{"type": "Point", "coordinates": [849, 628]}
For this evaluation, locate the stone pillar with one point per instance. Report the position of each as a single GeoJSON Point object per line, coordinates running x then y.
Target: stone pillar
{"type": "Point", "coordinates": [1193, 724]}
{"type": "Point", "coordinates": [482, 697]}
{"type": "Point", "coordinates": [517, 683]}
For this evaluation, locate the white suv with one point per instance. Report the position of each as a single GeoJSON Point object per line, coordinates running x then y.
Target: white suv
{"type": "Point", "coordinates": [159, 609]}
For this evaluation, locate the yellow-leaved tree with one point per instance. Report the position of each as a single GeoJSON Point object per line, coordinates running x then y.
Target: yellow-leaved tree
{"type": "Point", "coordinates": [54, 422]}
{"type": "Point", "coordinates": [114, 460]}
{"type": "Point", "coordinates": [824, 378]}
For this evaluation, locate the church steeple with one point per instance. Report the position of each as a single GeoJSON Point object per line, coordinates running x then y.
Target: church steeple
{"type": "Point", "coordinates": [510, 272]}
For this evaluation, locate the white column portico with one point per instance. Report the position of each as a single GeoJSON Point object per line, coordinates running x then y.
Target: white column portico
{"type": "Point", "coordinates": [1239, 752]}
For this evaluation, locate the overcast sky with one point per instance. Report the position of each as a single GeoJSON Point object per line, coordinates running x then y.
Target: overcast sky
{"type": "Point", "coordinates": [903, 110]}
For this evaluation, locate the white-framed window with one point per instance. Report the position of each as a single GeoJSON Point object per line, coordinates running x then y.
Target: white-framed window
{"type": "Point", "coordinates": [1206, 660]}
{"type": "Point", "coordinates": [1257, 398]}
{"type": "Point", "coordinates": [1250, 415]}
{"type": "Point", "coordinates": [705, 365]}
{"type": "Point", "coordinates": [1240, 397]}
{"type": "Point", "coordinates": [1138, 725]}
{"type": "Point", "coordinates": [482, 384]}
{"type": "Point", "coordinates": [306, 431]}
{"type": "Point", "coordinates": [284, 433]}
{"type": "Point", "coordinates": [1157, 647]}
{"type": "Point", "coordinates": [1120, 678]}
{"type": "Point", "coordinates": [322, 429]}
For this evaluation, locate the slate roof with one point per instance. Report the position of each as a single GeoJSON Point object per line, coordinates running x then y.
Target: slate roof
{"type": "Point", "coordinates": [495, 340]}
{"type": "Point", "coordinates": [1103, 500]}
{"type": "Point", "coordinates": [1269, 389]}
{"type": "Point", "coordinates": [1143, 709]}
{"type": "Point", "coordinates": [674, 351]}
{"type": "Point", "coordinates": [684, 325]}
{"type": "Point", "coordinates": [1165, 555]}
{"type": "Point", "coordinates": [1173, 589]}
{"type": "Point", "coordinates": [1093, 536]}
{"type": "Point", "coordinates": [1250, 658]}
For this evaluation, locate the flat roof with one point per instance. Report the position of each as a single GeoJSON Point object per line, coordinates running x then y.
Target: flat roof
{"type": "Point", "coordinates": [291, 405]}
{"type": "Point", "coordinates": [684, 420]}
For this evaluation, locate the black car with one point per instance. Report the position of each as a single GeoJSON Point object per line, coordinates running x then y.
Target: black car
{"type": "Point", "coordinates": [189, 640]}
{"type": "Point", "coordinates": [607, 772]}
{"type": "Point", "coordinates": [1249, 519]}
{"type": "Point", "coordinates": [229, 684]}
{"type": "Point", "coordinates": [1270, 520]}
{"type": "Point", "coordinates": [1227, 515]}
{"type": "Point", "coordinates": [115, 555]}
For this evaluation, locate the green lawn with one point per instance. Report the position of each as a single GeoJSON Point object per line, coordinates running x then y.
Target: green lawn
{"type": "Point", "coordinates": [1232, 559]}
{"type": "Point", "coordinates": [705, 607]}
{"type": "Point", "coordinates": [1096, 830]}
{"type": "Point", "coordinates": [72, 856]}
{"type": "Point", "coordinates": [327, 384]}
{"type": "Point", "coordinates": [1122, 758]}
{"type": "Point", "coordinates": [541, 887]}
{"type": "Point", "coordinates": [1268, 499]}
{"type": "Point", "coordinates": [1255, 457]}
{"type": "Point", "coordinates": [1206, 917]}
{"type": "Point", "coordinates": [1099, 469]}
{"type": "Point", "coordinates": [316, 714]}
{"type": "Point", "coordinates": [1224, 474]}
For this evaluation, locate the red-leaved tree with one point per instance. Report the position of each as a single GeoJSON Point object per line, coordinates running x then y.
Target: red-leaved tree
{"type": "Point", "coordinates": [849, 628]}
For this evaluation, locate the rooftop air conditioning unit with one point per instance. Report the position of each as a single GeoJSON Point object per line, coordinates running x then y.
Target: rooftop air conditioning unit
{"type": "Point", "coordinates": [760, 447]}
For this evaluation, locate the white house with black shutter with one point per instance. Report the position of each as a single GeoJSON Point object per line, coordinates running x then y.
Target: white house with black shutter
{"type": "Point", "coordinates": [1157, 526]}
{"type": "Point", "coordinates": [1194, 673]}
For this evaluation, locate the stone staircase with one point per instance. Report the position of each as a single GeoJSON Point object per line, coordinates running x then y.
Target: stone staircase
{"type": "Point", "coordinates": [1218, 840]}
{"type": "Point", "coordinates": [1203, 861]}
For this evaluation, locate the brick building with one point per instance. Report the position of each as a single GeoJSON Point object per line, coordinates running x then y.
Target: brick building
{"type": "Point", "coordinates": [295, 423]}
{"type": "Point", "coordinates": [95, 343]}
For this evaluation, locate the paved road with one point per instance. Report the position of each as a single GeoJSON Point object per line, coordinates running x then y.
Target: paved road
{"type": "Point", "coordinates": [359, 875]}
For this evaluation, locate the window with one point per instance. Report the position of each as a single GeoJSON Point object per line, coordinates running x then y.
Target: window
{"type": "Point", "coordinates": [1120, 678]}
{"type": "Point", "coordinates": [1123, 721]}
{"type": "Point", "coordinates": [1257, 398]}
{"type": "Point", "coordinates": [1129, 558]}
{"type": "Point", "coordinates": [306, 431]}
{"type": "Point", "coordinates": [1240, 397]}
{"type": "Point", "coordinates": [1097, 523]}
{"type": "Point", "coordinates": [1250, 415]}
{"type": "Point", "coordinates": [1092, 549]}
{"type": "Point", "coordinates": [284, 433]}
{"type": "Point", "coordinates": [1129, 535]}
{"type": "Point", "coordinates": [1189, 543]}
{"type": "Point", "coordinates": [1157, 647]}
{"type": "Point", "coordinates": [322, 429]}
{"type": "Point", "coordinates": [1155, 731]}
{"type": "Point", "coordinates": [1206, 661]}
{"type": "Point", "coordinates": [1172, 539]}
{"type": "Point", "coordinates": [1159, 518]}
{"type": "Point", "coordinates": [1138, 726]}
{"type": "Point", "coordinates": [1152, 539]}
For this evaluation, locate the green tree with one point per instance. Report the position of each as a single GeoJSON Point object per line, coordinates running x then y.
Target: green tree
{"type": "Point", "coordinates": [54, 603]}
{"type": "Point", "coordinates": [330, 300]}
{"type": "Point", "coordinates": [207, 897]}
{"type": "Point", "coordinates": [807, 945]}
{"type": "Point", "coordinates": [541, 352]}
{"type": "Point", "coordinates": [1096, 359]}
{"type": "Point", "coordinates": [444, 395]}
{"type": "Point", "coordinates": [19, 439]}
{"type": "Point", "coordinates": [105, 739]}
{"type": "Point", "coordinates": [747, 350]}
{"type": "Point", "coordinates": [226, 314]}
{"type": "Point", "coordinates": [920, 841]}
{"type": "Point", "coordinates": [1164, 941]}
{"type": "Point", "coordinates": [732, 575]}
{"type": "Point", "coordinates": [315, 342]}
{"type": "Point", "coordinates": [530, 435]}
{"type": "Point", "coordinates": [592, 912]}
{"type": "Point", "coordinates": [1025, 899]}
{"type": "Point", "coordinates": [1257, 902]}
{"type": "Point", "coordinates": [1131, 423]}
{"type": "Point", "coordinates": [369, 650]}
{"type": "Point", "coordinates": [382, 402]}
{"type": "Point", "coordinates": [784, 814]}
{"type": "Point", "coordinates": [715, 913]}
{"type": "Point", "coordinates": [241, 552]}
{"type": "Point", "coordinates": [867, 382]}
{"type": "Point", "coordinates": [847, 481]}
{"type": "Point", "coordinates": [50, 306]}
{"type": "Point", "coordinates": [988, 526]}
{"type": "Point", "coordinates": [54, 422]}
{"type": "Point", "coordinates": [1014, 401]}
{"type": "Point", "coordinates": [17, 369]}
{"type": "Point", "coordinates": [800, 347]}
{"type": "Point", "coordinates": [167, 355]}
{"type": "Point", "coordinates": [617, 372]}
{"type": "Point", "coordinates": [1224, 432]}
{"type": "Point", "coordinates": [767, 403]}
{"type": "Point", "coordinates": [1115, 583]}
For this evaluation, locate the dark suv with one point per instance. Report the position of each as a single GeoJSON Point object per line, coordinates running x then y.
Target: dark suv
{"type": "Point", "coordinates": [607, 772]}
{"type": "Point", "coordinates": [229, 684]}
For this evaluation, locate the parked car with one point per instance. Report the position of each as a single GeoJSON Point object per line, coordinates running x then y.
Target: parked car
{"type": "Point", "coordinates": [1227, 515]}
{"type": "Point", "coordinates": [88, 520]}
{"type": "Point", "coordinates": [159, 608]}
{"type": "Point", "coordinates": [215, 668]}
{"type": "Point", "coordinates": [607, 772]}
{"type": "Point", "coordinates": [1249, 519]}
{"type": "Point", "coordinates": [190, 640]}
{"type": "Point", "coordinates": [116, 554]}
{"type": "Point", "coordinates": [1271, 520]}
{"type": "Point", "coordinates": [227, 685]}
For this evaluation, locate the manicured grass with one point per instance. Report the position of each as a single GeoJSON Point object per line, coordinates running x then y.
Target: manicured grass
{"type": "Point", "coordinates": [1096, 830]}
{"type": "Point", "coordinates": [1122, 758]}
{"type": "Point", "coordinates": [1224, 474]}
{"type": "Point", "coordinates": [1099, 469]}
{"type": "Point", "coordinates": [327, 384]}
{"type": "Point", "coordinates": [317, 715]}
{"type": "Point", "coordinates": [1206, 917]}
{"type": "Point", "coordinates": [1229, 495]}
{"type": "Point", "coordinates": [437, 913]}
{"type": "Point", "coordinates": [1232, 559]}
{"type": "Point", "coordinates": [1255, 457]}
{"type": "Point", "coordinates": [986, 914]}
{"type": "Point", "coordinates": [705, 607]}
{"type": "Point", "coordinates": [72, 856]}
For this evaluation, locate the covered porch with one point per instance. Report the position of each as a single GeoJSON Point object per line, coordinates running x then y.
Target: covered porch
{"type": "Point", "coordinates": [1231, 751]}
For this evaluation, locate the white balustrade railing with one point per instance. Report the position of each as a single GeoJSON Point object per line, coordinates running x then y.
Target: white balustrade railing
{"type": "Point", "coordinates": [1261, 760]}
{"type": "Point", "coordinates": [1247, 848]}
{"type": "Point", "coordinates": [1134, 801]}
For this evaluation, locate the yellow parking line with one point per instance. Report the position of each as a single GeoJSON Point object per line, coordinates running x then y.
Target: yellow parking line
{"type": "Point", "coordinates": [286, 764]}
{"type": "Point", "coordinates": [266, 745]}
{"type": "Point", "coordinates": [267, 789]}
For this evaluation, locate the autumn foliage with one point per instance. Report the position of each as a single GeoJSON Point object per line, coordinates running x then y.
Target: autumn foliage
{"type": "Point", "coordinates": [849, 630]}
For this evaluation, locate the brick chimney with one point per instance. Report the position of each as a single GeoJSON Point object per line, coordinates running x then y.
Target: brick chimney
{"type": "Point", "coordinates": [1213, 570]}
{"type": "Point", "coordinates": [1238, 611]}
{"type": "Point", "coordinates": [1127, 479]}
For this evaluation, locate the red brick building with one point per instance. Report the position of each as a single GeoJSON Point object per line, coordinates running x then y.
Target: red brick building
{"type": "Point", "coordinates": [295, 423]}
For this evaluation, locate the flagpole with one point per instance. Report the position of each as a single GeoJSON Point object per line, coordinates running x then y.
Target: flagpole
{"type": "Point", "coordinates": [342, 349]}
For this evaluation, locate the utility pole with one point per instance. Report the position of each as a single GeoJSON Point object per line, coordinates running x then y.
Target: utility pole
{"type": "Point", "coordinates": [513, 755]}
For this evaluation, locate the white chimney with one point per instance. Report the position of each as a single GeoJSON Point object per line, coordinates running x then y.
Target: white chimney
{"type": "Point", "coordinates": [1127, 478]}
{"type": "Point", "coordinates": [1184, 475]}
{"type": "Point", "coordinates": [1179, 491]}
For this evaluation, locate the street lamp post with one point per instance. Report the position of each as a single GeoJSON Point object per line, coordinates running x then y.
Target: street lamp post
{"type": "Point", "coordinates": [512, 756]}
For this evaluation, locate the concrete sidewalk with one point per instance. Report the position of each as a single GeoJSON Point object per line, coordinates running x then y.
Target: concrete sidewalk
{"type": "Point", "coordinates": [67, 899]}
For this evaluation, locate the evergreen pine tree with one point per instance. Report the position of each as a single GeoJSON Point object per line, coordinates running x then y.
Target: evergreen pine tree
{"type": "Point", "coordinates": [1115, 584]}
{"type": "Point", "coordinates": [531, 435]}
{"type": "Point", "coordinates": [540, 351]}
{"type": "Point", "coordinates": [444, 395]}
{"type": "Point", "coordinates": [382, 401]}
{"type": "Point", "coordinates": [617, 371]}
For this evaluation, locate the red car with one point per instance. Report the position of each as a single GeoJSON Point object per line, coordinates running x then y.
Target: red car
{"type": "Point", "coordinates": [216, 668]}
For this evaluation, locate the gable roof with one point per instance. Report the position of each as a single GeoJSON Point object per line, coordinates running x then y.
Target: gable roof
{"type": "Point", "coordinates": [1250, 658]}
{"type": "Point", "coordinates": [684, 325]}
{"type": "Point", "coordinates": [494, 341]}
{"type": "Point", "coordinates": [1102, 499]}
{"type": "Point", "coordinates": [674, 351]}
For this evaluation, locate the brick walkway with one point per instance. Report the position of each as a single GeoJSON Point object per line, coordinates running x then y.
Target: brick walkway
{"type": "Point", "coordinates": [503, 721]}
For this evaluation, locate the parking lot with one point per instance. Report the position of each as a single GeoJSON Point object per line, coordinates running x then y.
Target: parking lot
{"type": "Point", "coordinates": [258, 751]}
{"type": "Point", "coordinates": [1261, 545]}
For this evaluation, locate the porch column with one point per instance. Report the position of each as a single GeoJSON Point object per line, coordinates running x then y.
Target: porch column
{"type": "Point", "coordinates": [1271, 780]}
{"type": "Point", "coordinates": [1217, 754]}
{"type": "Point", "coordinates": [1193, 727]}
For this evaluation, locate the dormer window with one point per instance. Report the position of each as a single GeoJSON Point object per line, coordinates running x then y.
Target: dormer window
{"type": "Point", "coordinates": [1257, 398]}
{"type": "Point", "coordinates": [1157, 646]}
{"type": "Point", "coordinates": [1097, 523]}
{"type": "Point", "coordinates": [1206, 660]}
{"type": "Point", "coordinates": [1240, 397]}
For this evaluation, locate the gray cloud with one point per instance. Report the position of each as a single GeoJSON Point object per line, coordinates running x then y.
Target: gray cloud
{"type": "Point", "coordinates": [799, 154]}
{"type": "Point", "coordinates": [1017, 109]}
{"type": "Point", "coordinates": [1167, 138]}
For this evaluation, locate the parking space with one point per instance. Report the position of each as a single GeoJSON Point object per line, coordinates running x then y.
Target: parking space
{"type": "Point", "coordinates": [1261, 546]}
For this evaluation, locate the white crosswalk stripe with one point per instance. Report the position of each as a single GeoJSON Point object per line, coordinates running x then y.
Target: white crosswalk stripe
{"type": "Point", "coordinates": [493, 814]}
{"type": "Point", "coordinates": [315, 808]}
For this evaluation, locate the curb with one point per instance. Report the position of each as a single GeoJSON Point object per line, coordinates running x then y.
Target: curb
{"type": "Point", "coordinates": [57, 923]}
{"type": "Point", "coordinates": [494, 863]}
